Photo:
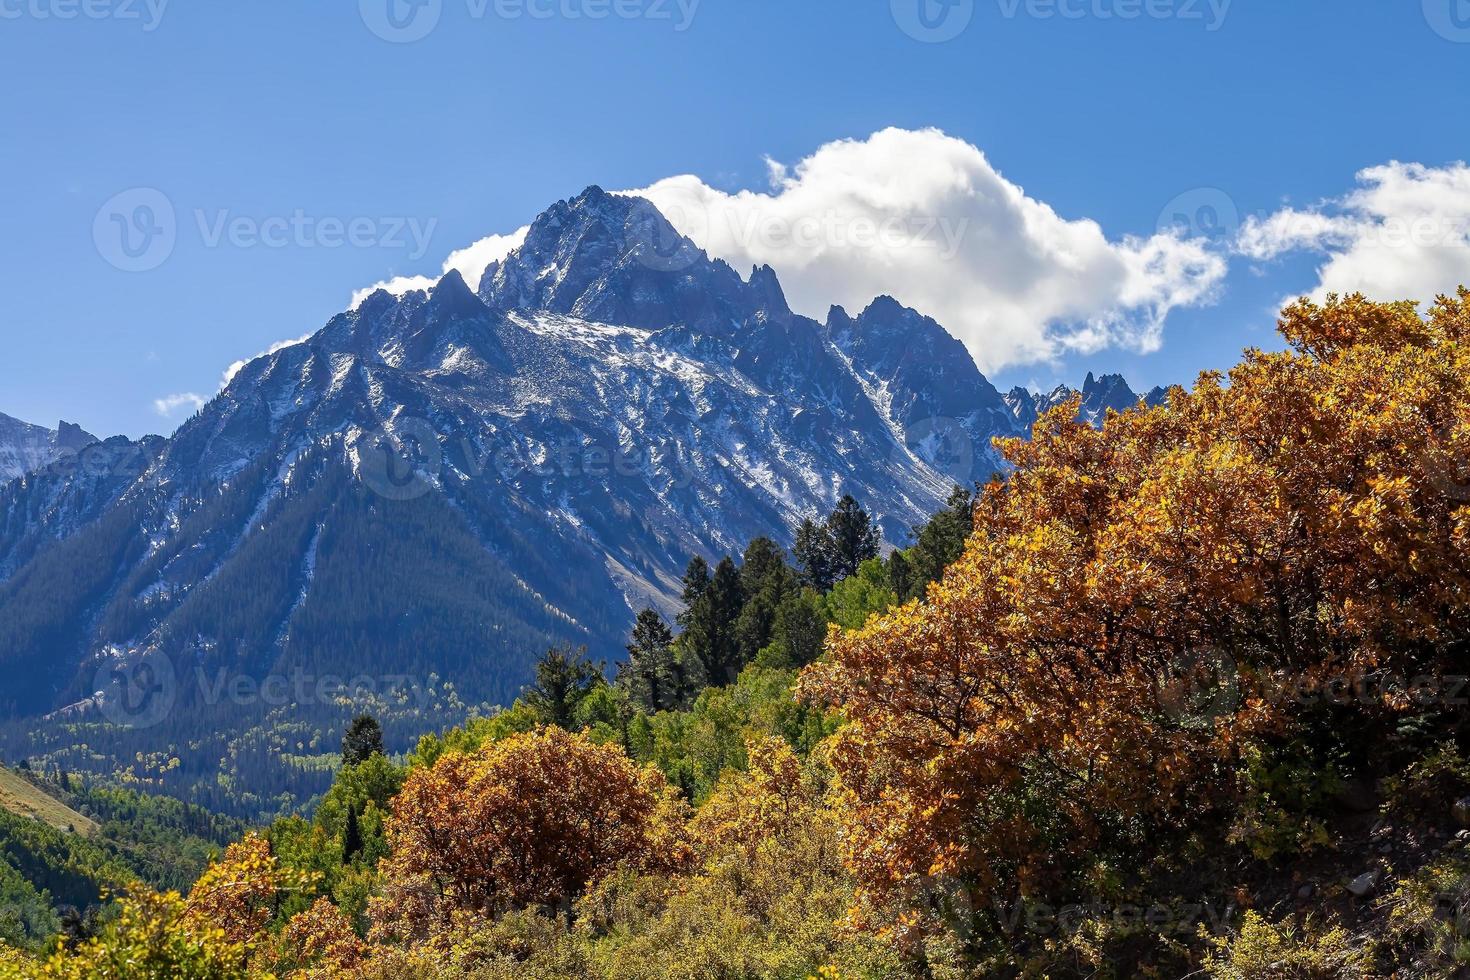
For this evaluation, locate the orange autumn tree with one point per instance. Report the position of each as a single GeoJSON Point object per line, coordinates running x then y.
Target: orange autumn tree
{"type": "Point", "coordinates": [238, 892]}
{"type": "Point", "coordinates": [1306, 520]}
{"type": "Point", "coordinates": [529, 821]}
{"type": "Point", "coordinates": [320, 942]}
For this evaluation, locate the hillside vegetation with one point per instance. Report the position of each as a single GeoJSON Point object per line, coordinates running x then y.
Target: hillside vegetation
{"type": "Point", "coordinates": [21, 797]}
{"type": "Point", "coordinates": [1187, 700]}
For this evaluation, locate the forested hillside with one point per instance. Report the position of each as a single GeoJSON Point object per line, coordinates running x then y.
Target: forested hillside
{"type": "Point", "coordinates": [1181, 696]}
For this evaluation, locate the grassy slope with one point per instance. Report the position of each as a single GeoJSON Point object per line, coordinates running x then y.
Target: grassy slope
{"type": "Point", "coordinates": [20, 797]}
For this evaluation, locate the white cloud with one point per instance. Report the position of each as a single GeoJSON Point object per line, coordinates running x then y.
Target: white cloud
{"type": "Point", "coordinates": [926, 218]}
{"type": "Point", "coordinates": [169, 405]}
{"type": "Point", "coordinates": [1403, 233]}
{"type": "Point", "coordinates": [279, 345]}
{"type": "Point", "coordinates": [471, 261]}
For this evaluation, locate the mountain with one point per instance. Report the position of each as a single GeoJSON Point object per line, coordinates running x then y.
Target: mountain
{"type": "Point", "coordinates": [404, 511]}
{"type": "Point", "coordinates": [25, 448]}
{"type": "Point", "coordinates": [1099, 395]}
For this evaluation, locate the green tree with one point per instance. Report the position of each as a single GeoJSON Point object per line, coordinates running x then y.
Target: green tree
{"type": "Point", "coordinates": [351, 836]}
{"type": "Point", "coordinates": [364, 739]}
{"type": "Point", "coordinates": [798, 632]}
{"type": "Point", "coordinates": [696, 582]}
{"type": "Point", "coordinates": [564, 677]}
{"type": "Point", "coordinates": [648, 674]}
{"type": "Point", "coordinates": [900, 574]}
{"type": "Point", "coordinates": [940, 542]}
{"type": "Point", "coordinates": [853, 538]}
{"type": "Point", "coordinates": [718, 611]}
{"type": "Point", "coordinates": [766, 580]}
{"type": "Point", "coordinates": [813, 551]}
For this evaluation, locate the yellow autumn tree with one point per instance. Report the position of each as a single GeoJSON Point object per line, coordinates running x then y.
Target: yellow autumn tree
{"type": "Point", "coordinates": [1134, 600]}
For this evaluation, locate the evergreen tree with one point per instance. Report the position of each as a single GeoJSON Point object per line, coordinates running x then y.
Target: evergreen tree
{"type": "Point", "coordinates": [725, 599]}
{"type": "Point", "coordinates": [364, 739]}
{"type": "Point", "coordinates": [900, 574]}
{"type": "Point", "coordinates": [799, 630]}
{"type": "Point", "coordinates": [709, 625]}
{"type": "Point", "coordinates": [564, 678]}
{"type": "Point", "coordinates": [940, 542]}
{"type": "Point", "coordinates": [764, 563]}
{"type": "Point", "coordinates": [766, 580]}
{"type": "Point", "coordinates": [813, 551]}
{"type": "Point", "coordinates": [351, 835]}
{"type": "Point", "coordinates": [696, 582]}
{"type": "Point", "coordinates": [852, 537]}
{"type": "Point", "coordinates": [649, 676]}
{"type": "Point", "coordinates": [690, 677]}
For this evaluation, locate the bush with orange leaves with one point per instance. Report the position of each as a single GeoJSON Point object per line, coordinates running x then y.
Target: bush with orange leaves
{"type": "Point", "coordinates": [1306, 520]}
{"type": "Point", "coordinates": [530, 821]}
{"type": "Point", "coordinates": [320, 942]}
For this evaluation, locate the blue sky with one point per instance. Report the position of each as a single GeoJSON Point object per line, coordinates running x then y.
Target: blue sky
{"type": "Point", "coordinates": [299, 112]}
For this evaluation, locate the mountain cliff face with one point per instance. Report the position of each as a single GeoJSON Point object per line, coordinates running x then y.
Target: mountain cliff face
{"type": "Point", "coordinates": [437, 486]}
{"type": "Point", "coordinates": [1098, 396]}
{"type": "Point", "coordinates": [25, 448]}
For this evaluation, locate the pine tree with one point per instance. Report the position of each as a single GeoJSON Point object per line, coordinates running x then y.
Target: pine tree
{"type": "Point", "coordinates": [696, 582]}
{"type": "Point", "coordinates": [723, 602]}
{"type": "Point", "coordinates": [853, 538]}
{"type": "Point", "coordinates": [900, 575]}
{"type": "Point", "coordinates": [709, 625]}
{"type": "Point", "coordinates": [940, 543]}
{"type": "Point", "coordinates": [564, 679]}
{"type": "Point", "coordinates": [766, 580]}
{"type": "Point", "coordinates": [364, 739]}
{"type": "Point", "coordinates": [799, 629]}
{"type": "Point", "coordinates": [813, 551]}
{"type": "Point", "coordinates": [649, 676]}
{"type": "Point", "coordinates": [351, 836]}
{"type": "Point", "coordinates": [690, 677]}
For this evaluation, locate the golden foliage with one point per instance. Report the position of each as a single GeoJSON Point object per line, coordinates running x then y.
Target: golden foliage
{"type": "Point", "coordinates": [1307, 519]}
{"type": "Point", "coordinates": [320, 942]}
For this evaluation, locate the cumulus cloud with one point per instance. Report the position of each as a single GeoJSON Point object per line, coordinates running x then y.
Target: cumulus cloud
{"type": "Point", "coordinates": [925, 217]}
{"type": "Point", "coordinates": [1403, 233]}
{"type": "Point", "coordinates": [168, 406]}
{"type": "Point", "coordinates": [471, 262]}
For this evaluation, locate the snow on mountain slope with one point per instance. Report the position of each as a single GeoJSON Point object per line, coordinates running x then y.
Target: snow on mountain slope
{"type": "Point", "coordinates": [25, 448]}
{"type": "Point", "coordinates": [443, 483]}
